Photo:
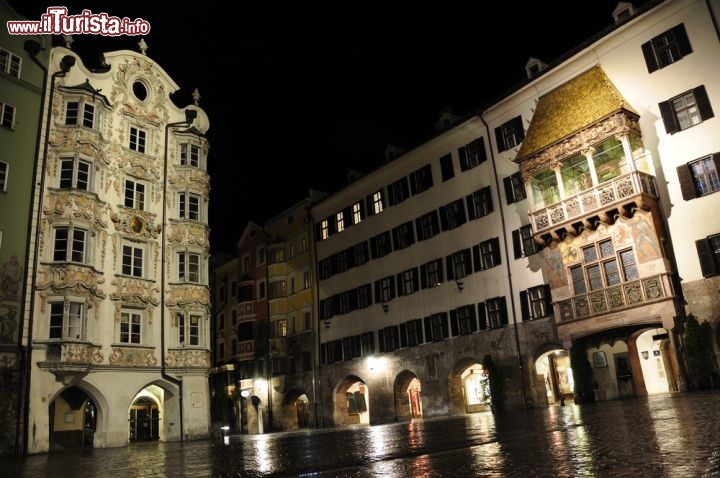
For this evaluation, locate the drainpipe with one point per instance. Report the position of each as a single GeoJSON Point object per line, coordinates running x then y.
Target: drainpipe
{"type": "Point", "coordinates": [190, 116]}
{"type": "Point", "coordinates": [507, 265]}
{"type": "Point", "coordinates": [315, 311]}
{"type": "Point", "coordinates": [67, 62]}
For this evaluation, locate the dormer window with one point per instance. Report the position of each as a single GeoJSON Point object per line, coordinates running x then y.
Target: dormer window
{"type": "Point", "coordinates": [623, 11]}
{"type": "Point", "coordinates": [533, 67]}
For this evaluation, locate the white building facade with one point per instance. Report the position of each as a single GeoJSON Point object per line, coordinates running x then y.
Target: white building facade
{"type": "Point", "coordinates": [119, 304]}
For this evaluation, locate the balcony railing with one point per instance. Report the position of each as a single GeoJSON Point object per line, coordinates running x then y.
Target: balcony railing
{"type": "Point", "coordinates": [616, 298]}
{"type": "Point", "coordinates": [593, 200]}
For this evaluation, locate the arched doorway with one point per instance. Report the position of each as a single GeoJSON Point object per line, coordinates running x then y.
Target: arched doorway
{"type": "Point", "coordinates": [144, 419]}
{"type": "Point", "coordinates": [72, 420]}
{"type": "Point", "coordinates": [476, 385]}
{"type": "Point", "coordinates": [554, 369]}
{"type": "Point", "coordinates": [295, 411]}
{"type": "Point", "coordinates": [408, 400]}
{"type": "Point", "coordinates": [351, 403]}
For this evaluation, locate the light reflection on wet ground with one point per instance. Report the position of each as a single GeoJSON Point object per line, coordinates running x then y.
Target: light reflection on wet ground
{"type": "Point", "coordinates": [673, 436]}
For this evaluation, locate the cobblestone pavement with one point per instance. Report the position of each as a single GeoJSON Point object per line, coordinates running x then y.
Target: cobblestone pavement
{"type": "Point", "coordinates": [670, 435]}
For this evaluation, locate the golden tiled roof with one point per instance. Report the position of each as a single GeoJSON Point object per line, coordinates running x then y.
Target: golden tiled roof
{"type": "Point", "coordinates": [569, 108]}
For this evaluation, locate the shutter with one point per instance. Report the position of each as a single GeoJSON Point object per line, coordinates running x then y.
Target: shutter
{"type": "Point", "coordinates": [482, 152]}
{"type": "Point", "coordinates": [381, 340]}
{"type": "Point", "coordinates": [477, 260]}
{"type": "Point", "coordinates": [517, 244]}
{"type": "Point", "coordinates": [418, 226]}
{"type": "Point", "coordinates": [703, 103]}
{"type": "Point", "coordinates": [462, 154]}
{"type": "Point", "coordinates": [472, 213]}
{"type": "Point", "coordinates": [450, 268]}
{"type": "Point", "coordinates": [461, 211]}
{"type": "Point", "coordinates": [444, 322]}
{"type": "Point", "coordinates": [503, 311]}
{"type": "Point", "coordinates": [682, 40]}
{"type": "Point", "coordinates": [547, 296]}
{"type": "Point", "coordinates": [687, 183]}
{"type": "Point", "coordinates": [401, 289]}
{"type": "Point", "coordinates": [443, 218]}
{"type": "Point", "coordinates": [403, 335]}
{"type": "Point", "coordinates": [524, 306]}
{"type": "Point", "coordinates": [428, 329]}
{"type": "Point", "coordinates": [369, 205]}
{"type": "Point", "coordinates": [509, 194]}
{"type": "Point", "coordinates": [496, 250]}
{"type": "Point", "coordinates": [473, 319]}
{"type": "Point", "coordinates": [482, 318]}
{"type": "Point", "coordinates": [454, 329]}
{"type": "Point", "coordinates": [489, 200]}
{"type": "Point", "coordinates": [416, 282]}
{"type": "Point", "coordinates": [649, 54]}
{"type": "Point", "coordinates": [373, 247]}
{"type": "Point", "coordinates": [441, 277]}
{"type": "Point", "coordinates": [378, 295]}
{"type": "Point", "coordinates": [500, 140]}
{"type": "Point", "coordinates": [423, 276]}
{"type": "Point", "coordinates": [707, 258]}
{"type": "Point", "coordinates": [396, 238]}
{"type": "Point", "coordinates": [668, 115]}
{"type": "Point", "coordinates": [519, 130]}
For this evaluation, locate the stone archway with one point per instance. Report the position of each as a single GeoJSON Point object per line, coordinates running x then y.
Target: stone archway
{"type": "Point", "coordinates": [295, 410]}
{"type": "Point", "coordinates": [351, 404]}
{"type": "Point", "coordinates": [73, 420]}
{"type": "Point", "coordinates": [407, 393]}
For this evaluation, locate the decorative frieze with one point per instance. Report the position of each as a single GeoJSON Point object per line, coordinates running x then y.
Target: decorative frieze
{"type": "Point", "coordinates": [133, 356]}
{"type": "Point", "coordinates": [187, 358]}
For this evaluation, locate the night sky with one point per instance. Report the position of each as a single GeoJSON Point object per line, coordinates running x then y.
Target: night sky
{"type": "Point", "coordinates": [297, 96]}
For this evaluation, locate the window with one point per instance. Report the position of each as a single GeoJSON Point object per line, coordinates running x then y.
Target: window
{"type": "Point", "coordinates": [189, 269]}
{"type": "Point", "coordinates": [463, 320]}
{"type": "Point", "coordinates": [431, 274]}
{"type": "Point", "coordinates": [66, 320]}
{"type": "Point", "coordinates": [708, 250]}
{"type": "Point", "coordinates": [361, 253]}
{"type": "Point", "coordinates": [190, 155]}
{"type": "Point", "coordinates": [408, 282]}
{"type": "Point", "coordinates": [277, 290]}
{"type": "Point", "coordinates": [357, 213]}
{"type": "Point", "coordinates": [131, 327]}
{"type": "Point", "coordinates": [375, 203]}
{"type": "Point", "coordinates": [10, 63]}
{"type": "Point", "coordinates": [603, 267]}
{"type": "Point", "coordinates": [80, 113]}
{"type": "Point", "coordinates": [421, 180]}
{"type": "Point", "coordinates": [4, 168]}
{"type": "Point", "coordinates": [7, 116]}
{"type": "Point", "coordinates": [403, 236]}
{"type": "Point", "coordinates": [459, 264]}
{"type": "Point", "coordinates": [479, 203]}
{"type": "Point", "coordinates": [324, 229]}
{"type": "Point", "coordinates": [686, 110]}
{"type": "Point", "coordinates": [436, 327]}
{"type": "Point", "coordinates": [389, 338]}
{"type": "Point", "coordinates": [189, 206]}
{"type": "Point", "coordinates": [307, 320]}
{"type": "Point", "coordinates": [380, 245]}
{"type": "Point", "coordinates": [246, 264]}
{"type": "Point", "coordinates": [134, 194]}
{"type": "Point", "coordinates": [188, 329]}
{"type": "Point", "coordinates": [535, 303]}
{"type": "Point", "coordinates": [363, 296]}
{"type": "Point", "coordinates": [75, 173]}
{"type": "Point", "coordinates": [446, 167]}
{"type": "Point", "coordinates": [427, 225]}
{"type": "Point", "coordinates": [276, 255]}
{"type": "Point", "coordinates": [261, 290]}
{"type": "Point", "coordinates": [413, 332]}
{"type": "Point", "coordinates": [245, 293]}
{"type": "Point", "coordinates": [487, 254]}
{"type": "Point", "coordinates": [261, 255]}
{"type": "Point", "coordinates": [523, 242]}
{"type": "Point", "coordinates": [339, 222]}
{"type": "Point", "coordinates": [70, 245]}
{"type": "Point", "coordinates": [452, 215]}
{"type": "Point", "coordinates": [700, 177]}
{"type": "Point", "coordinates": [132, 260]}
{"type": "Point", "coordinates": [472, 154]}
{"type": "Point", "coordinates": [303, 244]}
{"type": "Point", "coordinates": [514, 188]}
{"type": "Point", "coordinates": [138, 139]}
{"type": "Point", "coordinates": [496, 312]}
{"type": "Point", "coordinates": [509, 134]}
{"type": "Point", "coordinates": [398, 191]}
{"type": "Point", "coordinates": [666, 48]}
{"type": "Point", "coordinates": [385, 289]}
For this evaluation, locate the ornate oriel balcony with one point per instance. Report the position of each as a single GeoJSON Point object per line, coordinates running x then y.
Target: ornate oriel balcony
{"type": "Point", "coordinates": [70, 361]}
{"type": "Point", "coordinates": [617, 194]}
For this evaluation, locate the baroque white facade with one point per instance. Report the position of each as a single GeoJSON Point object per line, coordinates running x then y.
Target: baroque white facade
{"type": "Point", "coordinates": [118, 316]}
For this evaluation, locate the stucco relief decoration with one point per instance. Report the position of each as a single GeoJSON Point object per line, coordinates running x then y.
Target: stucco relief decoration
{"type": "Point", "coordinates": [188, 358]}
{"type": "Point", "coordinates": [191, 179]}
{"type": "Point", "coordinates": [81, 353]}
{"type": "Point", "coordinates": [11, 272]}
{"type": "Point", "coordinates": [176, 233]}
{"type": "Point", "coordinates": [71, 279]}
{"type": "Point", "coordinates": [199, 235]}
{"type": "Point", "coordinates": [73, 205]}
{"type": "Point", "coordinates": [137, 224]}
{"type": "Point", "coordinates": [133, 292]}
{"type": "Point", "coordinates": [131, 70]}
{"type": "Point", "coordinates": [188, 295]}
{"type": "Point", "coordinates": [132, 356]}
{"type": "Point", "coordinates": [653, 288]}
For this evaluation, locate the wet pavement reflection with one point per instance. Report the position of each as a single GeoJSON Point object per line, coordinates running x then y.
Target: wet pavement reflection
{"type": "Point", "coordinates": [671, 435]}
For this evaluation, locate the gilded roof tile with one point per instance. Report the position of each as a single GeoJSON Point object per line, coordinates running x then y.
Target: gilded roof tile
{"type": "Point", "coordinates": [569, 108]}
